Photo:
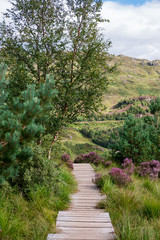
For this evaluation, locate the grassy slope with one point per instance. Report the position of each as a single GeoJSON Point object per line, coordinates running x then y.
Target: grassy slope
{"type": "Point", "coordinates": [135, 78]}
{"type": "Point", "coordinates": [74, 143]}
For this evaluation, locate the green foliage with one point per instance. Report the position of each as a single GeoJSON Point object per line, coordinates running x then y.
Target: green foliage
{"type": "Point", "coordinates": [99, 132]}
{"type": "Point", "coordinates": [34, 219]}
{"type": "Point", "coordinates": [76, 149]}
{"type": "Point", "coordinates": [132, 101]}
{"type": "Point", "coordinates": [134, 141]}
{"type": "Point", "coordinates": [37, 170]}
{"type": "Point", "coordinates": [155, 106]}
{"type": "Point", "coordinates": [136, 109]}
{"type": "Point", "coordinates": [139, 139]}
{"type": "Point", "coordinates": [101, 137]}
{"type": "Point", "coordinates": [134, 210]}
{"type": "Point", "coordinates": [20, 125]}
{"type": "Point", "coordinates": [44, 37]}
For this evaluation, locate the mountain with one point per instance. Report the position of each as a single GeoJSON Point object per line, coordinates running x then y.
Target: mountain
{"type": "Point", "coordinates": [135, 78]}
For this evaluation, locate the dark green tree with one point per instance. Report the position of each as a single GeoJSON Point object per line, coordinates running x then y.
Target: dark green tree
{"type": "Point", "coordinates": [133, 141]}
{"type": "Point", "coordinates": [155, 109]}
{"type": "Point", "coordinates": [153, 122]}
{"type": "Point", "coordinates": [19, 124]}
{"type": "Point", "coordinates": [46, 37]}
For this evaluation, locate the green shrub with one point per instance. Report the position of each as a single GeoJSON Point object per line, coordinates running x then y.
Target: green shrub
{"type": "Point", "coordinates": [20, 125]}
{"type": "Point", "coordinates": [101, 137]}
{"type": "Point", "coordinates": [133, 141]}
{"type": "Point", "coordinates": [37, 171]}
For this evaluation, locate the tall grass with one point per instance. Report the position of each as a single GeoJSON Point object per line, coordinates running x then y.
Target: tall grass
{"type": "Point", "coordinates": [135, 209]}
{"type": "Point", "coordinates": [33, 219]}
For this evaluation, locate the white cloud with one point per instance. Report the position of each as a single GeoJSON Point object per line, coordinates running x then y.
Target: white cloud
{"type": "Point", "coordinates": [4, 4]}
{"type": "Point", "coordinates": [133, 30]}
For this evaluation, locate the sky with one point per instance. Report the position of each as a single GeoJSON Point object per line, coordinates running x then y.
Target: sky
{"type": "Point", "coordinates": [134, 27]}
{"type": "Point", "coordinates": [133, 2]}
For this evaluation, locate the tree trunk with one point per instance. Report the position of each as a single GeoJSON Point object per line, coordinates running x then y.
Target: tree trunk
{"type": "Point", "coordinates": [50, 150]}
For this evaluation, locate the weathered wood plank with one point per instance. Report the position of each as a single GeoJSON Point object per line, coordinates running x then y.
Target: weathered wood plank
{"type": "Point", "coordinates": [97, 213]}
{"type": "Point", "coordinates": [73, 224]}
{"type": "Point", "coordinates": [87, 220]}
{"type": "Point", "coordinates": [84, 235]}
{"type": "Point", "coordinates": [83, 221]}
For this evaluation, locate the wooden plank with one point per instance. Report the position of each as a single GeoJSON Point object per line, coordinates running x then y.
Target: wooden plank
{"type": "Point", "coordinates": [66, 237]}
{"type": "Point", "coordinates": [101, 214]}
{"type": "Point", "coordinates": [85, 201]}
{"type": "Point", "coordinates": [73, 224]}
{"type": "Point", "coordinates": [93, 192]}
{"type": "Point", "coordinates": [84, 198]}
{"type": "Point", "coordinates": [88, 230]}
{"type": "Point", "coordinates": [86, 220]}
{"type": "Point", "coordinates": [83, 221]}
{"type": "Point", "coordinates": [83, 204]}
{"type": "Point", "coordinates": [95, 214]}
{"type": "Point", "coordinates": [85, 235]}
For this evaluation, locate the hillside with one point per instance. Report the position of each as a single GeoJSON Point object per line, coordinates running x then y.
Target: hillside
{"type": "Point", "coordinates": [135, 77]}
{"type": "Point", "coordinates": [131, 89]}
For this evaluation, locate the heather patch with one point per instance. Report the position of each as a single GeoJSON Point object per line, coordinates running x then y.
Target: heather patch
{"type": "Point", "coordinates": [134, 208]}
{"type": "Point", "coordinates": [128, 166]}
{"type": "Point", "coordinates": [66, 158]}
{"type": "Point", "coordinates": [149, 169]}
{"type": "Point", "coordinates": [119, 176]}
{"type": "Point", "coordinates": [92, 157]}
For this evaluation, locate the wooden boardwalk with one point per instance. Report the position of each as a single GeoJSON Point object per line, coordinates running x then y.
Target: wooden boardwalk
{"type": "Point", "coordinates": [83, 221]}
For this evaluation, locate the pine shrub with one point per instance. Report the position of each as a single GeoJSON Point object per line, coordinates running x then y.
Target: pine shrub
{"type": "Point", "coordinates": [20, 125]}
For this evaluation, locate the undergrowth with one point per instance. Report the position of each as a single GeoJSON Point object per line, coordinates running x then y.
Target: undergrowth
{"type": "Point", "coordinates": [35, 217]}
{"type": "Point", "coordinates": [134, 209]}
{"type": "Point", "coordinates": [31, 214]}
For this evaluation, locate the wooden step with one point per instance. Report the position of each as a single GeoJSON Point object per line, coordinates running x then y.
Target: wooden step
{"type": "Point", "coordinates": [84, 235]}
{"type": "Point", "coordinates": [83, 221]}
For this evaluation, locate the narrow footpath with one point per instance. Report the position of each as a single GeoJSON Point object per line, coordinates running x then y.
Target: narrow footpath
{"type": "Point", "coordinates": [83, 221]}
